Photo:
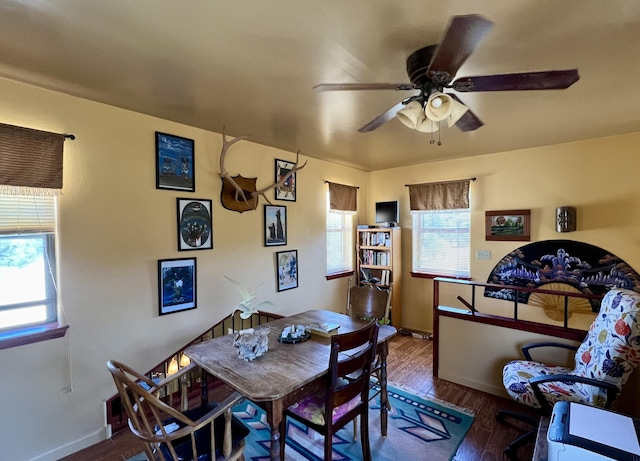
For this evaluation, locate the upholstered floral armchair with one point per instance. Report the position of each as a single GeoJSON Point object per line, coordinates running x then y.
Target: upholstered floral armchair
{"type": "Point", "coordinates": [603, 363]}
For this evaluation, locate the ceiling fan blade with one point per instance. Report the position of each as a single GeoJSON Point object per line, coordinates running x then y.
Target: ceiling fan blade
{"type": "Point", "coordinates": [382, 118]}
{"type": "Point", "coordinates": [469, 121]}
{"type": "Point", "coordinates": [545, 80]}
{"type": "Point", "coordinates": [461, 38]}
{"type": "Point", "coordinates": [363, 86]}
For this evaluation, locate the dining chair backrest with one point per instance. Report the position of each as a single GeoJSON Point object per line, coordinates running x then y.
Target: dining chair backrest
{"type": "Point", "coordinates": [346, 394]}
{"type": "Point", "coordinates": [352, 355]}
{"type": "Point", "coordinates": [369, 302]}
{"type": "Point", "coordinates": [173, 434]}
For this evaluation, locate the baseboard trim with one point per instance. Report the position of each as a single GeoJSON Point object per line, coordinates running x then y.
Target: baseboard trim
{"type": "Point", "coordinates": [473, 384]}
{"type": "Point", "coordinates": [73, 447]}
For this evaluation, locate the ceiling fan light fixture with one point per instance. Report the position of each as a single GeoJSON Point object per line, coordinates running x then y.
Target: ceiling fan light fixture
{"type": "Point", "coordinates": [427, 126]}
{"type": "Point", "coordinates": [439, 106]}
{"type": "Point", "coordinates": [458, 110]}
{"type": "Point", "coordinates": [411, 115]}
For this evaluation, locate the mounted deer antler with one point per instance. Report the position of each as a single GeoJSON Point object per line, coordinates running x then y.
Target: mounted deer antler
{"type": "Point", "coordinates": [240, 193]}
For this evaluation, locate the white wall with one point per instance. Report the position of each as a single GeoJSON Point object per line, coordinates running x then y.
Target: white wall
{"type": "Point", "coordinates": [114, 226]}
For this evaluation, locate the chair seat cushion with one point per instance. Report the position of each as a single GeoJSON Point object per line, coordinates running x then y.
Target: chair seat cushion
{"type": "Point", "coordinates": [312, 408]}
{"type": "Point", "coordinates": [182, 445]}
{"type": "Point", "coordinates": [516, 375]}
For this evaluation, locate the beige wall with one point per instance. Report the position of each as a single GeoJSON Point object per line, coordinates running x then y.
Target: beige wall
{"type": "Point", "coordinates": [598, 177]}
{"type": "Point", "coordinates": [114, 226]}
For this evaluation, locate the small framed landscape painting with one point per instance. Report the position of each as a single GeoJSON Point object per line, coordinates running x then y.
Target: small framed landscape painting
{"type": "Point", "coordinates": [287, 265]}
{"type": "Point", "coordinates": [508, 225]}
{"type": "Point", "coordinates": [195, 230]}
{"type": "Point", "coordinates": [176, 285]}
{"type": "Point", "coordinates": [288, 190]}
{"type": "Point", "coordinates": [175, 162]}
{"type": "Point", "coordinates": [275, 225]}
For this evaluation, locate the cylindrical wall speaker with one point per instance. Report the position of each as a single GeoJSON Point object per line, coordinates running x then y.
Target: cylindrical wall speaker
{"type": "Point", "coordinates": [566, 219]}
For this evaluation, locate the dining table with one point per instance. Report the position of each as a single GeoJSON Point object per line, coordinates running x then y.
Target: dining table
{"type": "Point", "coordinates": [287, 372]}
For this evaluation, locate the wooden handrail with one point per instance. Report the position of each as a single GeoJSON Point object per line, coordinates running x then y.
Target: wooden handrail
{"type": "Point", "coordinates": [116, 415]}
{"type": "Point", "coordinates": [473, 315]}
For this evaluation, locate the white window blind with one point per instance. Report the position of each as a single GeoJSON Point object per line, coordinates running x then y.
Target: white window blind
{"type": "Point", "coordinates": [441, 242]}
{"type": "Point", "coordinates": [27, 214]}
{"type": "Point", "coordinates": [340, 249]}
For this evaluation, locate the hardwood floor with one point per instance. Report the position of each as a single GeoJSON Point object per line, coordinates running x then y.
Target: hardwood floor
{"type": "Point", "coordinates": [409, 366]}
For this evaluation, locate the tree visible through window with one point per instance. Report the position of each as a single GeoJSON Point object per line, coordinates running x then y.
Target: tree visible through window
{"type": "Point", "coordinates": [27, 261]}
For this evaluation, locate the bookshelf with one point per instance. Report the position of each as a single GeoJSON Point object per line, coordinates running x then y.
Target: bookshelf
{"type": "Point", "coordinates": [378, 252]}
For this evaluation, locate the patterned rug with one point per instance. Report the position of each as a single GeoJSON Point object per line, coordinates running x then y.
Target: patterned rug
{"type": "Point", "coordinates": [418, 429]}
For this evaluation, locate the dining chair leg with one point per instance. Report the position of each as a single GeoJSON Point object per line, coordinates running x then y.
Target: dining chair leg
{"type": "Point", "coordinates": [328, 444]}
{"type": "Point", "coordinates": [355, 429]}
{"type": "Point", "coordinates": [364, 436]}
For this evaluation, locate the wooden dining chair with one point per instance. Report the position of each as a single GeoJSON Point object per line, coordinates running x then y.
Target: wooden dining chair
{"type": "Point", "coordinates": [369, 302]}
{"type": "Point", "coordinates": [184, 434]}
{"type": "Point", "coordinates": [342, 400]}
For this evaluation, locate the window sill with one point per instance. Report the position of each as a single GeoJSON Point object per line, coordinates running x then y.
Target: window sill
{"type": "Point", "coordinates": [338, 275]}
{"type": "Point", "coordinates": [32, 335]}
{"type": "Point", "coordinates": [426, 275]}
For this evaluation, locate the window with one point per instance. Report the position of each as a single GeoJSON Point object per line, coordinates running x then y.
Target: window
{"type": "Point", "coordinates": [340, 248]}
{"type": "Point", "coordinates": [27, 261]}
{"type": "Point", "coordinates": [441, 242]}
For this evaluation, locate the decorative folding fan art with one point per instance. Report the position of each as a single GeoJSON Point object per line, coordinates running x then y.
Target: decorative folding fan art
{"type": "Point", "coordinates": [553, 305]}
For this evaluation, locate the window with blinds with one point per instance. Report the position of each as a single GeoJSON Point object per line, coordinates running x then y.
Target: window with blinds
{"type": "Point", "coordinates": [340, 248]}
{"type": "Point", "coordinates": [441, 242]}
{"type": "Point", "coordinates": [27, 261]}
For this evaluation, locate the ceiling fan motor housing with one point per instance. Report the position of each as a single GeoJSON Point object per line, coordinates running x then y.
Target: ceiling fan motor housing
{"type": "Point", "coordinates": [418, 64]}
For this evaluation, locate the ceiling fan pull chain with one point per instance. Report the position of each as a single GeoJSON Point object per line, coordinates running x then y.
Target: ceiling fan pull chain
{"type": "Point", "coordinates": [439, 142]}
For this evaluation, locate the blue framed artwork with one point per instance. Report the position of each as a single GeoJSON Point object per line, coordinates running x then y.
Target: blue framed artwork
{"type": "Point", "coordinates": [287, 269]}
{"type": "Point", "coordinates": [175, 162]}
{"type": "Point", "coordinates": [176, 285]}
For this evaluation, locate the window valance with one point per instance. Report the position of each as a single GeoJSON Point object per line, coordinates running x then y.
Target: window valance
{"type": "Point", "coordinates": [446, 195]}
{"type": "Point", "coordinates": [30, 158]}
{"type": "Point", "coordinates": [342, 198]}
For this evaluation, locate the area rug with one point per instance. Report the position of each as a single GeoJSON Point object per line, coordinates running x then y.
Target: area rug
{"type": "Point", "coordinates": [418, 428]}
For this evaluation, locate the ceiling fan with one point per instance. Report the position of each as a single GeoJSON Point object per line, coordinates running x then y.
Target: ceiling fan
{"type": "Point", "coordinates": [432, 69]}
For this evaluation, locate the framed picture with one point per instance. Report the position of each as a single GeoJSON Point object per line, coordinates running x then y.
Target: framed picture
{"type": "Point", "coordinates": [508, 225]}
{"type": "Point", "coordinates": [195, 230]}
{"type": "Point", "coordinates": [275, 225]}
{"type": "Point", "coordinates": [175, 163]}
{"type": "Point", "coordinates": [287, 264]}
{"type": "Point", "coordinates": [288, 189]}
{"type": "Point", "coordinates": [176, 285]}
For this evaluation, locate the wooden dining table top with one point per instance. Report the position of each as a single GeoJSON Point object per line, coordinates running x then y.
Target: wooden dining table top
{"type": "Point", "coordinates": [284, 368]}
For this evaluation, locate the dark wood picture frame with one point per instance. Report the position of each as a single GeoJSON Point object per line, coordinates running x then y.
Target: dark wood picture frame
{"type": "Point", "coordinates": [177, 290]}
{"type": "Point", "coordinates": [275, 225]}
{"type": "Point", "coordinates": [175, 162]}
{"type": "Point", "coordinates": [287, 269]}
{"type": "Point", "coordinates": [508, 225]}
{"type": "Point", "coordinates": [195, 224]}
{"type": "Point", "coordinates": [288, 191]}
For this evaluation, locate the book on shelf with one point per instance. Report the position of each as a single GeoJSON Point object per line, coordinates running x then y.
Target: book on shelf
{"type": "Point", "coordinates": [384, 277]}
{"type": "Point", "coordinates": [323, 329]}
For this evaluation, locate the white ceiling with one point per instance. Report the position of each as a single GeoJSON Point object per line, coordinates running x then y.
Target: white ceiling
{"type": "Point", "coordinates": [250, 66]}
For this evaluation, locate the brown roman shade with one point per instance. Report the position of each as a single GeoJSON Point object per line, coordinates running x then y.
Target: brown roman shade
{"type": "Point", "coordinates": [343, 198]}
{"type": "Point", "coordinates": [30, 158]}
{"type": "Point", "coordinates": [447, 195]}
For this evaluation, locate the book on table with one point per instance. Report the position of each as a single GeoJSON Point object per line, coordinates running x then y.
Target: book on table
{"type": "Point", "coordinates": [323, 329]}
